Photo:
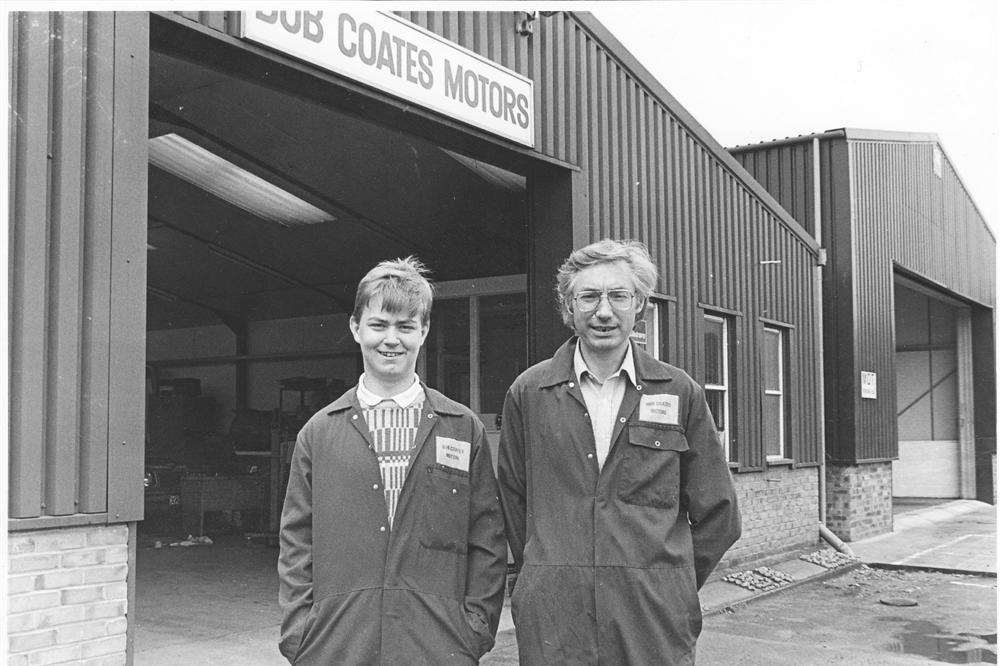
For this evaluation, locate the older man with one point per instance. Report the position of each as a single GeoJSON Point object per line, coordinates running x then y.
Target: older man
{"type": "Point", "coordinates": [615, 490]}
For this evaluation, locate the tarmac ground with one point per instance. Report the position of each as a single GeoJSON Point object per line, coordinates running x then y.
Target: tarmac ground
{"type": "Point", "coordinates": [217, 604]}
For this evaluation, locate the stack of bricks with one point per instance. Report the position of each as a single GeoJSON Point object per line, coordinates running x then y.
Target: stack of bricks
{"type": "Point", "coordinates": [67, 592]}
{"type": "Point", "coordinates": [780, 512]}
{"type": "Point", "coordinates": [859, 500]}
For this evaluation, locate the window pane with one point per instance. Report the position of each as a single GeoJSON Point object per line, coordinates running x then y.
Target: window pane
{"type": "Point", "coordinates": [714, 362]}
{"type": "Point", "coordinates": [772, 425]}
{"type": "Point", "coordinates": [717, 404]}
{"type": "Point", "coordinates": [772, 356]}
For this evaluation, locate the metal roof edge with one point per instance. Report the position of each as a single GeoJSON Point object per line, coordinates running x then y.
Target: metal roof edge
{"type": "Point", "coordinates": [789, 141]}
{"type": "Point", "coordinates": [968, 194]}
{"type": "Point", "coordinates": [631, 64]}
{"type": "Point", "coordinates": [859, 134]}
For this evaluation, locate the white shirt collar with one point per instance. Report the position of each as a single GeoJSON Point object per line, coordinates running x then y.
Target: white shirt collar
{"type": "Point", "coordinates": [368, 398]}
{"type": "Point", "coordinates": [627, 366]}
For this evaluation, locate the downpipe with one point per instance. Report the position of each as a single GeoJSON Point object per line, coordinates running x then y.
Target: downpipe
{"type": "Point", "coordinates": [834, 540]}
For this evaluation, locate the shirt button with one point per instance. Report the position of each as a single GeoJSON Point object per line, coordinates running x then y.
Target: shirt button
{"type": "Point", "coordinates": [622, 419]}
{"type": "Point", "coordinates": [375, 485]}
{"type": "Point", "coordinates": [454, 491]}
{"type": "Point", "coordinates": [382, 529]}
{"type": "Point", "coordinates": [590, 455]}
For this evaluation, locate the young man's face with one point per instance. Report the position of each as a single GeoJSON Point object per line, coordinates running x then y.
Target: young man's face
{"type": "Point", "coordinates": [604, 330]}
{"type": "Point", "coordinates": [390, 343]}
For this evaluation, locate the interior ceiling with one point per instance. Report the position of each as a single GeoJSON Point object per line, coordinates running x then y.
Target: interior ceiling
{"type": "Point", "coordinates": [392, 195]}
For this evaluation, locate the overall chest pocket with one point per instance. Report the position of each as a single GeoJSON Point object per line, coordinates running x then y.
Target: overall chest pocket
{"type": "Point", "coordinates": [651, 466]}
{"type": "Point", "coordinates": [444, 520]}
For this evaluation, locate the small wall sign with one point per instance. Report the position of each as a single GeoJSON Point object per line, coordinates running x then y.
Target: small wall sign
{"type": "Point", "coordinates": [869, 388]}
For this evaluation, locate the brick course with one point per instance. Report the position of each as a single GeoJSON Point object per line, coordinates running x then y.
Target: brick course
{"type": "Point", "coordinates": [779, 512]}
{"type": "Point", "coordinates": [67, 595]}
{"type": "Point", "coordinates": [859, 500]}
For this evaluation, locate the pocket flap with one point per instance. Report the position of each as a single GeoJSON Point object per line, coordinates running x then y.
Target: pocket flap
{"type": "Point", "coordinates": [658, 439]}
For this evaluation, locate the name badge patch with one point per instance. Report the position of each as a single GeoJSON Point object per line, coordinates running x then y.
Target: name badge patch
{"type": "Point", "coordinates": [660, 408]}
{"type": "Point", "coordinates": [453, 453]}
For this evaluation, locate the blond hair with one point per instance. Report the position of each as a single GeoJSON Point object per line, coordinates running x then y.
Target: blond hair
{"type": "Point", "coordinates": [399, 285]}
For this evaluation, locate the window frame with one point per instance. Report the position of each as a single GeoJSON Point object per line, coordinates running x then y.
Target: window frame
{"type": "Point", "coordinates": [784, 403]}
{"type": "Point", "coordinates": [726, 388]}
{"type": "Point", "coordinates": [653, 343]}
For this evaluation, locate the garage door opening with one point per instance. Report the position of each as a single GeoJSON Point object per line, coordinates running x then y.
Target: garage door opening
{"type": "Point", "coordinates": [933, 362]}
{"type": "Point", "coordinates": [265, 209]}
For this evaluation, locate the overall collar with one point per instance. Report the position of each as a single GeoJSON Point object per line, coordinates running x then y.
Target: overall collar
{"type": "Point", "coordinates": [560, 370]}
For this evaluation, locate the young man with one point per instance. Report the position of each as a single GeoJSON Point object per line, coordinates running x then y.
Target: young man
{"type": "Point", "coordinates": [616, 494]}
{"type": "Point", "coordinates": [392, 543]}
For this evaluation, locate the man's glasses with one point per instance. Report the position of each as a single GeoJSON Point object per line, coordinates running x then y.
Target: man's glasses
{"type": "Point", "coordinates": [619, 299]}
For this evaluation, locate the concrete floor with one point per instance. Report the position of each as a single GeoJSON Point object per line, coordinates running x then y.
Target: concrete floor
{"type": "Point", "coordinates": [218, 604]}
{"type": "Point", "coordinates": [207, 604]}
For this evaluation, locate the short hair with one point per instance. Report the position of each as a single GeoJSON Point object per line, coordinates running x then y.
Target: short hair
{"type": "Point", "coordinates": [400, 285]}
{"type": "Point", "coordinates": [632, 253]}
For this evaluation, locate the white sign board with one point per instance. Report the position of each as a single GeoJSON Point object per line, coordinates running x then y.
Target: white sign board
{"type": "Point", "coordinates": [391, 54]}
{"type": "Point", "coordinates": [868, 386]}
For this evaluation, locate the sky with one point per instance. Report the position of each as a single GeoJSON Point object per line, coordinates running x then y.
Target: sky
{"type": "Point", "coordinates": [758, 70]}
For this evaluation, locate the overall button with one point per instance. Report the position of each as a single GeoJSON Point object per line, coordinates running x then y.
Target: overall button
{"type": "Point", "coordinates": [571, 384]}
{"type": "Point", "coordinates": [622, 419]}
{"type": "Point", "coordinates": [454, 491]}
{"type": "Point", "coordinates": [656, 444]}
{"type": "Point", "coordinates": [590, 455]}
{"type": "Point", "coordinates": [638, 387]}
{"type": "Point", "coordinates": [430, 416]}
{"type": "Point", "coordinates": [354, 418]}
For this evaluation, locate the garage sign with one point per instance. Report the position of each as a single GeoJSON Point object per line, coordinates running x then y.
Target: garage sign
{"type": "Point", "coordinates": [391, 54]}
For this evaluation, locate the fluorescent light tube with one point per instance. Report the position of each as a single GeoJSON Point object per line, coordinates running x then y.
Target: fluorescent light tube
{"type": "Point", "coordinates": [200, 167]}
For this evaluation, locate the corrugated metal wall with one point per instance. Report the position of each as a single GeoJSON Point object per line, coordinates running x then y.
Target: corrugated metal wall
{"type": "Point", "coordinates": [883, 205]}
{"type": "Point", "coordinates": [77, 265]}
{"type": "Point", "coordinates": [652, 173]}
{"type": "Point", "coordinates": [651, 177]}
{"type": "Point", "coordinates": [907, 215]}
{"type": "Point", "coordinates": [925, 223]}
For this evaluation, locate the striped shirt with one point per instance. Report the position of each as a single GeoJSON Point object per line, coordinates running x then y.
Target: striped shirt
{"type": "Point", "coordinates": [393, 424]}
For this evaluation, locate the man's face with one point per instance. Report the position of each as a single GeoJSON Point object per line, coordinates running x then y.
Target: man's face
{"type": "Point", "coordinates": [604, 330]}
{"type": "Point", "coordinates": [390, 343]}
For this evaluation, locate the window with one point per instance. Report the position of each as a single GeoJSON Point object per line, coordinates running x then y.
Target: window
{"type": "Point", "coordinates": [647, 329]}
{"type": "Point", "coordinates": [775, 396]}
{"type": "Point", "coordinates": [716, 374]}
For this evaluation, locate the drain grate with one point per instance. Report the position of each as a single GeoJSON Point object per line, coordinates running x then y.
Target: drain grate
{"type": "Point", "coordinates": [760, 579]}
{"type": "Point", "coordinates": [829, 559]}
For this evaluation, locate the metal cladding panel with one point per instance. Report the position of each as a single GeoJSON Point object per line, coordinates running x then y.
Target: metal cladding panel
{"type": "Point", "coordinates": [786, 170]}
{"type": "Point", "coordinates": [883, 209]}
{"type": "Point", "coordinates": [63, 145]}
{"type": "Point", "coordinates": [652, 173]}
{"type": "Point", "coordinates": [906, 215]}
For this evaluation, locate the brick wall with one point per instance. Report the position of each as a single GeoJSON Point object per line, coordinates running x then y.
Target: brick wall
{"type": "Point", "coordinates": [67, 595]}
{"type": "Point", "coordinates": [780, 512]}
{"type": "Point", "coordinates": [859, 500]}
